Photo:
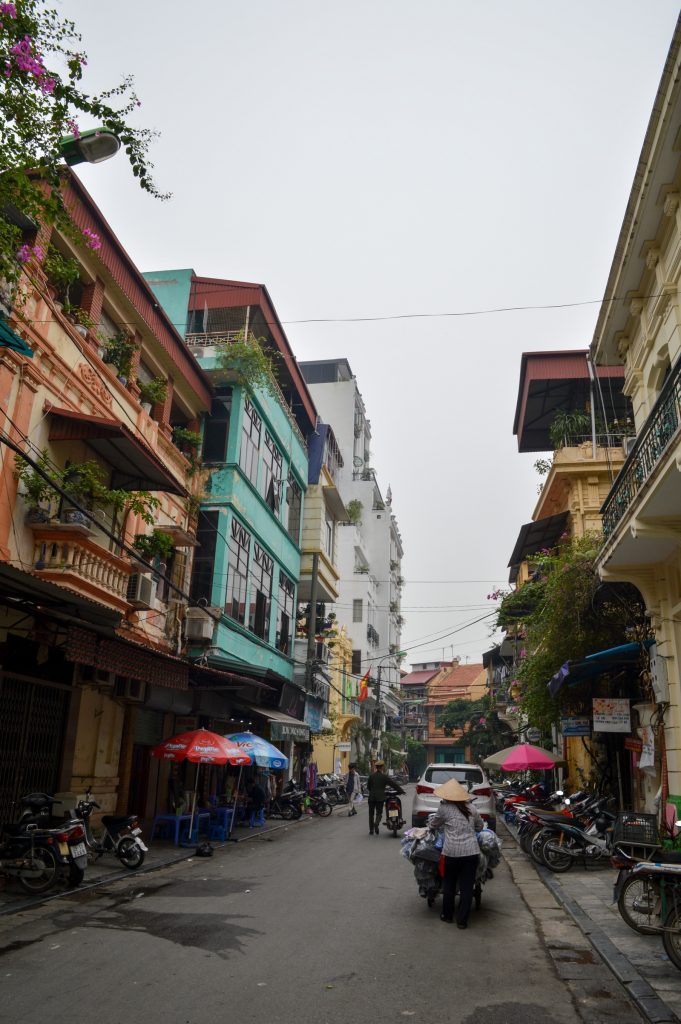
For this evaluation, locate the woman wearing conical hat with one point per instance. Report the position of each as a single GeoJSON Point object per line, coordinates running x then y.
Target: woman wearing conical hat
{"type": "Point", "coordinates": [461, 851]}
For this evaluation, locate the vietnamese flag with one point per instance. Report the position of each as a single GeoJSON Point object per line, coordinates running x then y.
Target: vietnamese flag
{"type": "Point", "coordinates": [364, 686]}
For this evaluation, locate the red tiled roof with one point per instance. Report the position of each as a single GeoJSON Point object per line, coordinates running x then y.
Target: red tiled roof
{"type": "Point", "coordinates": [456, 683]}
{"type": "Point", "coordinates": [419, 678]}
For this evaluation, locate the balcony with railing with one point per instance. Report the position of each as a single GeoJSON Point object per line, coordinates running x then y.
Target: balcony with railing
{"type": "Point", "coordinates": [68, 555]}
{"type": "Point", "coordinates": [655, 439]}
{"type": "Point", "coordinates": [372, 636]}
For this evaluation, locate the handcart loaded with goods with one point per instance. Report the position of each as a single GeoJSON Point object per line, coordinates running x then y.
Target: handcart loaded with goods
{"type": "Point", "coordinates": [422, 847]}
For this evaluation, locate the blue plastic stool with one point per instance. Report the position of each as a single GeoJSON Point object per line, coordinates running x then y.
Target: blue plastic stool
{"type": "Point", "coordinates": [217, 832]}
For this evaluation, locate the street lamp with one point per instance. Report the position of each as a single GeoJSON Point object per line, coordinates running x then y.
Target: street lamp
{"type": "Point", "coordinates": [92, 147]}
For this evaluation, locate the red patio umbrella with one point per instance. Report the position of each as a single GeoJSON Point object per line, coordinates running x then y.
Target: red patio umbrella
{"type": "Point", "coordinates": [201, 747]}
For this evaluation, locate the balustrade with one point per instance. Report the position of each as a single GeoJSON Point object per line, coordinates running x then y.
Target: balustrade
{"type": "Point", "coordinates": [68, 556]}
{"type": "Point", "coordinates": [655, 438]}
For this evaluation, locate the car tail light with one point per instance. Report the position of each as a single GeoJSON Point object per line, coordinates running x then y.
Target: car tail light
{"type": "Point", "coordinates": [422, 788]}
{"type": "Point", "coordinates": [482, 791]}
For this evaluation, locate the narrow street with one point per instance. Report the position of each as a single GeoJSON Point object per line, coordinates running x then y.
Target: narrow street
{"type": "Point", "coordinates": [314, 922]}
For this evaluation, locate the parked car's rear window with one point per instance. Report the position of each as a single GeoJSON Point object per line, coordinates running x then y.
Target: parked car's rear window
{"type": "Point", "coordinates": [473, 776]}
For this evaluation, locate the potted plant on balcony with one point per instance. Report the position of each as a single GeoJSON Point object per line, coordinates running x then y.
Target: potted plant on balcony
{"type": "Point", "coordinates": [81, 320]}
{"type": "Point", "coordinates": [154, 546]}
{"type": "Point", "coordinates": [152, 392]}
{"type": "Point", "coordinates": [119, 350]}
{"type": "Point", "coordinates": [354, 510]}
{"type": "Point", "coordinates": [61, 273]}
{"type": "Point", "coordinates": [84, 482]}
{"type": "Point", "coordinates": [247, 363]}
{"type": "Point", "coordinates": [37, 491]}
{"type": "Point", "coordinates": [188, 442]}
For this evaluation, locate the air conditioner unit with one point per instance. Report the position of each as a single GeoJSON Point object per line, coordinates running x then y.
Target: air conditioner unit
{"type": "Point", "coordinates": [628, 443]}
{"type": "Point", "coordinates": [322, 652]}
{"type": "Point", "coordinates": [141, 591]}
{"type": "Point", "coordinates": [132, 690]}
{"type": "Point", "coordinates": [97, 678]}
{"type": "Point", "coordinates": [658, 676]}
{"type": "Point", "coordinates": [200, 627]}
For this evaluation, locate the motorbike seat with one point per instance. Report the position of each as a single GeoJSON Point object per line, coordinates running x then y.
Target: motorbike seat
{"type": "Point", "coordinates": [115, 821]}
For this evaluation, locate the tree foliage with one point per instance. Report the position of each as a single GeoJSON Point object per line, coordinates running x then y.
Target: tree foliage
{"type": "Point", "coordinates": [576, 615]}
{"type": "Point", "coordinates": [41, 102]}
{"type": "Point", "coordinates": [479, 724]}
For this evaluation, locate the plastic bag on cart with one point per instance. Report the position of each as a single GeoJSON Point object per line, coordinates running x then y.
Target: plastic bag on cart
{"type": "Point", "coordinates": [490, 845]}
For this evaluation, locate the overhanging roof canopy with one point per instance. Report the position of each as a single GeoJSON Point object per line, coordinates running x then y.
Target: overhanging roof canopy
{"type": "Point", "coordinates": [543, 533]}
{"type": "Point", "coordinates": [573, 672]}
{"type": "Point", "coordinates": [553, 381]}
{"type": "Point", "coordinates": [136, 466]}
{"type": "Point", "coordinates": [21, 588]}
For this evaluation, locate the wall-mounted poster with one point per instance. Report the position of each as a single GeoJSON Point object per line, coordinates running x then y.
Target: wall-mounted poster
{"type": "Point", "coordinates": [611, 714]}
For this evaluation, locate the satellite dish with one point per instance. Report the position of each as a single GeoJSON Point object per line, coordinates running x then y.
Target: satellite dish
{"type": "Point", "coordinates": [357, 461]}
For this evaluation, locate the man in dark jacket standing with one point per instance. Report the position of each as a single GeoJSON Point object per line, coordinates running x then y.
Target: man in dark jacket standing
{"type": "Point", "coordinates": [377, 784]}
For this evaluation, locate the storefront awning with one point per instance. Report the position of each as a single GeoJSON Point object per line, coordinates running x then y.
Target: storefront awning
{"type": "Point", "coordinates": [8, 339]}
{"type": "Point", "coordinates": [573, 672]}
{"type": "Point", "coordinates": [283, 727]}
{"type": "Point", "coordinates": [136, 466]}
{"type": "Point", "coordinates": [21, 588]}
{"type": "Point", "coordinates": [541, 533]}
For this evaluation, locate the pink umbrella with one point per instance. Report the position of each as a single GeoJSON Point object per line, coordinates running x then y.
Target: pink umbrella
{"type": "Point", "coordinates": [201, 747]}
{"type": "Point", "coordinates": [524, 755]}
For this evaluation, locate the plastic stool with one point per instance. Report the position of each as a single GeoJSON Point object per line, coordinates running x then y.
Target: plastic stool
{"type": "Point", "coordinates": [217, 832]}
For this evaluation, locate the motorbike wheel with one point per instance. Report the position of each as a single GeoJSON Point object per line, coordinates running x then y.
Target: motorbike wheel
{"type": "Point", "coordinates": [76, 876]}
{"type": "Point", "coordinates": [394, 832]}
{"type": "Point", "coordinates": [671, 937]}
{"type": "Point", "coordinates": [129, 854]}
{"type": "Point", "coordinates": [637, 904]}
{"type": "Point", "coordinates": [323, 809]}
{"type": "Point", "coordinates": [536, 846]}
{"type": "Point", "coordinates": [43, 860]}
{"type": "Point", "coordinates": [554, 858]}
{"type": "Point", "coordinates": [526, 842]}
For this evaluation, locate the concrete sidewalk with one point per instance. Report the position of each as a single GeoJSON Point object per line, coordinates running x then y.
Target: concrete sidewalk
{"type": "Point", "coordinates": [639, 962]}
{"type": "Point", "coordinates": [14, 899]}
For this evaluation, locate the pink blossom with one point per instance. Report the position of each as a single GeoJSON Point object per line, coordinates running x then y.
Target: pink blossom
{"type": "Point", "coordinates": [24, 58]}
{"type": "Point", "coordinates": [9, 9]}
{"type": "Point", "coordinates": [47, 85]}
{"type": "Point", "coordinates": [92, 239]}
{"type": "Point", "coordinates": [27, 252]}
{"type": "Point", "coordinates": [75, 130]}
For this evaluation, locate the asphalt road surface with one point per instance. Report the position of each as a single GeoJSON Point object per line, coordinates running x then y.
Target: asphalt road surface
{"type": "Point", "coordinates": [318, 922]}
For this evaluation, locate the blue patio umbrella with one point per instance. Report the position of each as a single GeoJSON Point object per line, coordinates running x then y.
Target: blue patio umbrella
{"type": "Point", "coordinates": [264, 753]}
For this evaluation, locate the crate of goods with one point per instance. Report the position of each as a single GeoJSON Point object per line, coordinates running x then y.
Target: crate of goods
{"type": "Point", "coordinates": [637, 829]}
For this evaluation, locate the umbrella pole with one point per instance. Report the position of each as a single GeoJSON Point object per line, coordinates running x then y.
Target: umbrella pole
{"type": "Point", "coordinates": [236, 800]}
{"type": "Point", "coordinates": [196, 786]}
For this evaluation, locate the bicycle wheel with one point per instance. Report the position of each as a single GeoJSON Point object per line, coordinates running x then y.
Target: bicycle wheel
{"type": "Point", "coordinates": [554, 857]}
{"type": "Point", "coordinates": [638, 904]}
{"type": "Point", "coordinates": [671, 937]}
{"type": "Point", "coordinates": [44, 863]}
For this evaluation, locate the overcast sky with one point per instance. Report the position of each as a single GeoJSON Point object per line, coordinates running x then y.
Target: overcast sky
{"type": "Point", "coordinates": [392, 157]}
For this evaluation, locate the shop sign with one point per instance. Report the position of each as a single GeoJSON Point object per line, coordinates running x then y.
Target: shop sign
{"type": "Point", "coordinates": [611, 714]}
{"type": "Point", "coordinates": [344, 748]}
{"type": "Point", "coordinates": [574, 726]}
{"type": "Point", "coordinates": [631, 743]}
{"type": "Point", "coordinates": [313, 715]}
{"type": "Point", "coordinates": [289, 731]}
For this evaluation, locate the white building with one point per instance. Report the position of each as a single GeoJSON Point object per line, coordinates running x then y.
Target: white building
{"type": "Point", "coordinates": [370, 548]}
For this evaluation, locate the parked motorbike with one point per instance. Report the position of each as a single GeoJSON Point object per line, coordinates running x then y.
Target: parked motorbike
{"type": "Point", "coordinates": [565, 842]}
{"type": "Point", "coordinates": [287, 807]}
{"type": "Point", "coordinates": [39, 851]}
{"type": "Point", "coordinates": [393, 813]}
{"type": "Point", "coordinates": [317, 801]}
{"type": "Point", "coordinates": [65, 836]}
{"type": "Point", "coordinates": [121, 836]}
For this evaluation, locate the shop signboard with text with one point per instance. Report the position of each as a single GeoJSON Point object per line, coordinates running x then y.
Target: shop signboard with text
{"type": "Point", "coordinates": [611, 714]}
{"type": "Point", "coordinates": [576, 726]}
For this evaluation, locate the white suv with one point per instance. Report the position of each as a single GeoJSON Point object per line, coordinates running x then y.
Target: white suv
{"type": "Point", "coordinates": [471, 776]}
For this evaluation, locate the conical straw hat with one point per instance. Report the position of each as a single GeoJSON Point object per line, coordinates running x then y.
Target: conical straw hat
{"type": "Point", "coordinates": [452, 790]}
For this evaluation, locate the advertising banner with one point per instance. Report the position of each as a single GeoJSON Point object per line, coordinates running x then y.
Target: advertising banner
{"type": "Point", "coordinates": [575, 726]}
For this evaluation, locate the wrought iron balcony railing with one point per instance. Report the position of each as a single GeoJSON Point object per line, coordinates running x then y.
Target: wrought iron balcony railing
{"type": "Point", "coordinates": [656, 436]}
